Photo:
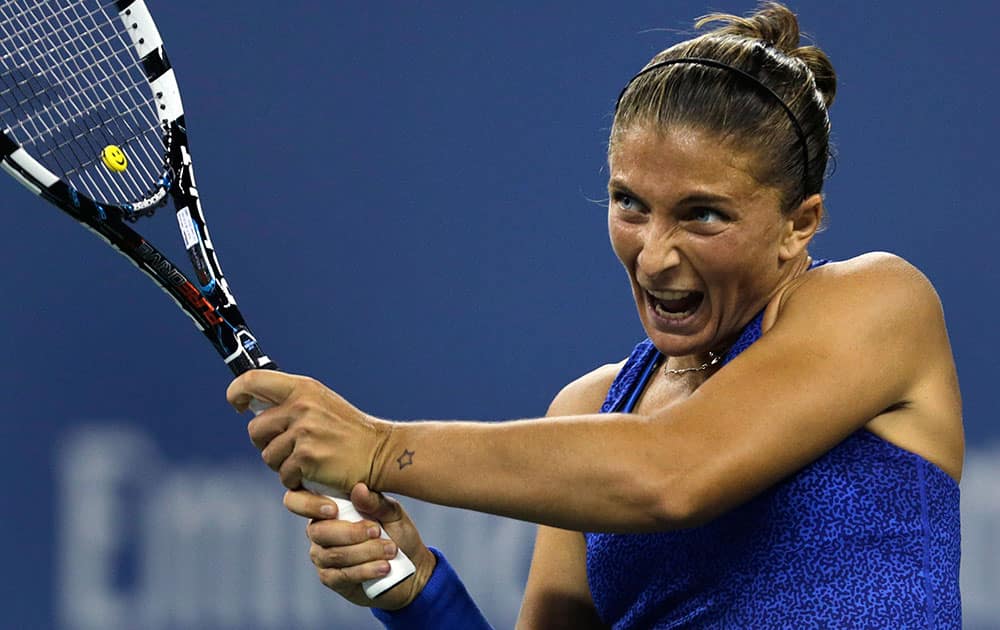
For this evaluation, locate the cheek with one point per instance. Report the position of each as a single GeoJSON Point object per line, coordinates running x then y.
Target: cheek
{"type": "Point", "coordinates": [728, 263]}
{"type": "Point", "coordinates": [624, 241]}
{"type": "Point", "coordinates": [723, 253]}
{"type": "Point", "coordinates": [742, 263]}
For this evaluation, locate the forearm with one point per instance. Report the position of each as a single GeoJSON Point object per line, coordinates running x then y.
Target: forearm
{"type": "Point", "coordinates": [601, 472]}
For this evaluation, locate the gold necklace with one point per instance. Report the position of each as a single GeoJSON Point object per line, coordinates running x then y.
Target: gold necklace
{"type": "Point", "coordinates": [713, 359]}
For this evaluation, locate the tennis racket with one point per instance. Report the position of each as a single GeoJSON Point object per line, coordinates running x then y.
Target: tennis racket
{"type": "Point", "coordinates": [93, 123]}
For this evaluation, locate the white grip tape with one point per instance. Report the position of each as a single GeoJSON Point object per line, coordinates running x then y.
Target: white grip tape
{"type": "Point", "coordinates": [400, 567]}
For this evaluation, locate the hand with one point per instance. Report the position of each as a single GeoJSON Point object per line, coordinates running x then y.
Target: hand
{"type": "Point", "coordinates": [310, 432]}
{"type": "Point", "coordinates": [347, 554]}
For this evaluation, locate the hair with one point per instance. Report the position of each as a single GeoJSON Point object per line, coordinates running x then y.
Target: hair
{"type": "Point", "coordinates": [720, 101]}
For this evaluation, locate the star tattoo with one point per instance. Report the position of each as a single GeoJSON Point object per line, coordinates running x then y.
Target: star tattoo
{"type": "Point", "coordinates": [406, 459]}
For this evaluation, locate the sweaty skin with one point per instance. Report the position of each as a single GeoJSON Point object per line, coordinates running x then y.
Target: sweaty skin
{"type": "Point", "coordinates": [685, 216]}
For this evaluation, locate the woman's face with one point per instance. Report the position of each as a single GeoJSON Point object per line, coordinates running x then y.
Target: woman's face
{"type": "Point", "coordinates": [698, 235]}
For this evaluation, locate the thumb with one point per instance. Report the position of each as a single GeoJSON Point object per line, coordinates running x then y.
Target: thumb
{"type": "Point", "coordinates": [375, 504]}
{"type": "Point", "coordinates": [268, 386]}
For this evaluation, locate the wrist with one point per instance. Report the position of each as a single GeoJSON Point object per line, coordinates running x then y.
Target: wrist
{"type": "Point", "coordinates": [444, 602]}
{"type": "Point", "coordinates": [393, 455]}
{"type": "Point", "coordinates": [426, 564]}
{"type": "Point", "coordinates": [383, 430]}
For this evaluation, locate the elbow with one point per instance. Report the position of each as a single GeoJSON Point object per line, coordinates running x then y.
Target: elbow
{"type": "Point", "coordinates": [674, 488]}
{"type": "Point", "coordinates": [670, 504]}
{"type": "Point", "coordinates": [681, 503]}
{"type": "Point", "coordinates": [676, 510]}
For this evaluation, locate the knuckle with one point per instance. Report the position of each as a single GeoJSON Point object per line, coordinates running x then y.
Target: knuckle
{"type": "Point", "coordinates": [360, 531]}
{"type": "Point", "coordinates": [335, 557]}
{"type": "Point", "coordinates": [328, 557]}
{"type": "Point", "coordinates": [270, 461]}
{"type": "Point", "coordinates": [313, 531]}
{"type": "Point", "coordinates": [305, 403]}
{"type": "Point", "coordinates": [292, 462]}
{"type": "Point", "coordinates": [244, 381]}
{"type": "Point", "coordinates": [332, 579]}
{"type": "Point", "coordinates": [249, 380]}
{"type": "Point", "coordinates": [305, 453]}
{"type": "Point", "coordinates": [299, 431]}
{"type": "Point", "coordinates": [289, 477]}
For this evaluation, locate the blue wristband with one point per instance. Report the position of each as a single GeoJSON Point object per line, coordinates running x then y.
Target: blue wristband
{"type": "Point", "coordinates": [444, 603]}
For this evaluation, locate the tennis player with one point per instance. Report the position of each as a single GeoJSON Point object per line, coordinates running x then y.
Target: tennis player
{"type": "Point", "coordinates": [782, 451]}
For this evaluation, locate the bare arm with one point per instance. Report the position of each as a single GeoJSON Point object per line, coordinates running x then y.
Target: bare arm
{"type": "Point", "coordinates": [557, 594]}
{"type": "Point", "coordinates": [850, 342]}
{"type": "Point", "coordinates": [847, 344]}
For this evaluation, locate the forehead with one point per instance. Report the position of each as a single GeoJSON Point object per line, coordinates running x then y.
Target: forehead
{"type": "Point", "coordinates": [650, 160]}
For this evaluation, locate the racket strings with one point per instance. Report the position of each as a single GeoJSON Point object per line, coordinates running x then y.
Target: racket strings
{"type": "Point", "coordinates": [23, 51]}
{"type": "Point", "coordinates": [88, 120]}
{"type": "Point", "coordinates": [72, 84]}
{"type": "Point", "coordinates": [41, 38]}
{"type": "Point", "coordinates": [74, 60]}
{"type": "Point", "coordinates": [82, 70]}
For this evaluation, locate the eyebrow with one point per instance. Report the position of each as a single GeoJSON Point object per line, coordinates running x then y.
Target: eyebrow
{"type": "Point", "coordinates": [692, 198]}
{"type": "Point", "coordinates": [705, 198]}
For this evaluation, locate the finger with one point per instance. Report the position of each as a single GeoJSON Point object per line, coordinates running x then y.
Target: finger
{"type": "Point", "coordinates": [277, 451]}
{"type": "Point", "coordinates": [342, 579]}
{"type": "Point", "coordinates": [375, 504]}
{"type": "Point", "coordinates": [268, 386]}
{"type": "Point", "coordinates": [310, 505]}
{"type": "Point", "coordinates": [337, 533]}
{"type": "Point", "coordinates": [346, 556]}
{"type": "Point", "coordinates": [290, 473]}
{"type": "Point", "coordinates": [266, 426]}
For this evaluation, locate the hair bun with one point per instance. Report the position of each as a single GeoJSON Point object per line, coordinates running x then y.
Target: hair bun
{"type": "Point", "coordinates": [822, 70]}
{"type": "Point", "coordinates": [775, 25]}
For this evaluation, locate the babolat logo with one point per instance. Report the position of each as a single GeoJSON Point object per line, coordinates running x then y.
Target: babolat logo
{"type": "Point", "coordinates": [176, 279]}
{"type": "Point", "coordinates": [163, 266]}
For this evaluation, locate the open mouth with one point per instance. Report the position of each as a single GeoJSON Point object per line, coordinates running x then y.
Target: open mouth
{"type": "Point", "coordinates": [675, 305]}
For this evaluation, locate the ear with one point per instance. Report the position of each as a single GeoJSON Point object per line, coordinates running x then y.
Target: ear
{"type": "Point", "coordinates": [800, 227]}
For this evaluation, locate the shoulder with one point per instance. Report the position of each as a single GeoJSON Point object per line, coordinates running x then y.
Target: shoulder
{"type": "Point", "coordinates": [874, 304]}
{"type": "Point", "coordinates": [881, 285]}
{"type": "Point", "coordinates": [880, 265]}
{"type": "Point", "coordinates": [586, 394]}
{"type": "Point", "coordinates": [880, 317]}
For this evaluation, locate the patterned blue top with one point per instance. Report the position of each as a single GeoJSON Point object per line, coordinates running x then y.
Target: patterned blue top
{"type": "Point", "coordinates": [867, 536]}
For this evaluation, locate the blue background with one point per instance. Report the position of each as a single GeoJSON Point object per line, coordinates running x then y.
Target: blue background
{"type": "Point", "coordinates": [407, 201]}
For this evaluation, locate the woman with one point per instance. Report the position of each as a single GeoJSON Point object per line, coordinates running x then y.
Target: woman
{"type": "Point", "coordinates": [783, 450]}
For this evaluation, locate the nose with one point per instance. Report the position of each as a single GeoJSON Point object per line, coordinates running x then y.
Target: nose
{"type": "Point", "coordinates": [659, 249]}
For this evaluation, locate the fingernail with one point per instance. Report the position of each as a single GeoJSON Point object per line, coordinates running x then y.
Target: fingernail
{"type": "Point", "coordinates": [390, 549]}
{"type": "Point", "coordinates": [383, 570]}
{"type": "Point", "coordinates": [374, 532]}
{"type": "Point", "coordinates": [326, 509]}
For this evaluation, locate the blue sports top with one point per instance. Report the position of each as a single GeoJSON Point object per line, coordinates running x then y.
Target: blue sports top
{"type": "Point", "coordinates": [867, 536]}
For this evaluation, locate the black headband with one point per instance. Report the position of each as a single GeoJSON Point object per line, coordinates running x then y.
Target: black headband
{"type": "Point", "coordinates": [753, 80]}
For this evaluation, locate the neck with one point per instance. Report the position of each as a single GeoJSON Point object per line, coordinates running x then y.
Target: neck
{"type": "Point", "coordinates": [707, 362]}
{"type": "Point", "coordinates": [695, 363]}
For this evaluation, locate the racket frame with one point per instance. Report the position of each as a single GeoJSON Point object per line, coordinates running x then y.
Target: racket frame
{"type": "Point", "coordinates": [206, 298]}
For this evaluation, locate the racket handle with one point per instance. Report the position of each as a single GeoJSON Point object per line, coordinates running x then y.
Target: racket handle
{"type": "Point", "coordinates": [400, 567]}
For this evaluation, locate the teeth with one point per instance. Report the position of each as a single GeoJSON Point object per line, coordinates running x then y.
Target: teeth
{"type": "Point", "coordinates": [668, 315]}
{"type": "Point", "coordinates": [670, 295]}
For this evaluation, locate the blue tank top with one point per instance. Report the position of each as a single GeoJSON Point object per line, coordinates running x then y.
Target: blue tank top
{"type": "Point", "coordinates": [867, 536]}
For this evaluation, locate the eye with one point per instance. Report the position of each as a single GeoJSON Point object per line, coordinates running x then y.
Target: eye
{"type": "Point", "coordinates": [625, 202]}
{"type": "Point", "coordinates": [707, 215]}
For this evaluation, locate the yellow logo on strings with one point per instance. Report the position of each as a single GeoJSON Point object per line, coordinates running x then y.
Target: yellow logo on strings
{"type": "Point", "coordinates": [114, 158]}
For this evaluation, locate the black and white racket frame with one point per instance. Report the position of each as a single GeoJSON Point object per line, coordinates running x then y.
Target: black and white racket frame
{"type": "Point", "coordinates": [206, 298]}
